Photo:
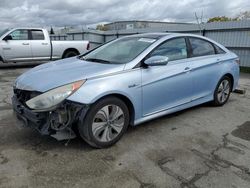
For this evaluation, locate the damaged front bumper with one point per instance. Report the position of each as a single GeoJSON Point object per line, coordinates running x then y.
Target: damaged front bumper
{"type": "Point", "coordinates": [57, 122]}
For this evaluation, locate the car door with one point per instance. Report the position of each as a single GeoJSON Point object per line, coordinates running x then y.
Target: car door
{"type": "Point", "coordinates": [204, 65]}
{"type": "Point", "coordinates": [17, 47]}
{"type": "Point", "coordinates": [167, 86]}
{"type": "Point", "coordinates": [41, 49]}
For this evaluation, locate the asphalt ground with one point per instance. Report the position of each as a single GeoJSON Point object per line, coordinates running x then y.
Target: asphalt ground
{"type": "Point", "coordinates": [204, 146]}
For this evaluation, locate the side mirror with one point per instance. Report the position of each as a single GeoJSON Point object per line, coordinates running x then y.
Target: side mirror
{"type": "Point", "coordinates": [156, 60]}
{"type": "Point", "coordinates": [8, 37]}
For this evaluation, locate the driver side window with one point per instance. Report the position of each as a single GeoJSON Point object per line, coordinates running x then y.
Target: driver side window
{"type": "Point", "coordinates": [20, 34]}
{"type": "Point", "coordinates": [174, 49]}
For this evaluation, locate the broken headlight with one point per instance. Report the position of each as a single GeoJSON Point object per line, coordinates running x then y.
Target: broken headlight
{"type": "Point", "coordinates": [53, 97]}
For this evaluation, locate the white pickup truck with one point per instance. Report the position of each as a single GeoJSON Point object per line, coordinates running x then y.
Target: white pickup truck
{"type": "Point", "coordinates": [34, 44]}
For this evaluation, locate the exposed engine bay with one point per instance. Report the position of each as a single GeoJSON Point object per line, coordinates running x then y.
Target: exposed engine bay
{"type": "Point", "coordinates": [58, 122]}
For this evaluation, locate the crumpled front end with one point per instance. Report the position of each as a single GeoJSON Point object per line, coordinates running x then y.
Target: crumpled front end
{"type": "Point", "coordinates": [57, 122]}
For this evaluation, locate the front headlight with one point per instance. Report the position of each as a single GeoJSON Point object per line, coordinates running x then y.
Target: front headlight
{"type": "Point", "coordinates": [54, 96]}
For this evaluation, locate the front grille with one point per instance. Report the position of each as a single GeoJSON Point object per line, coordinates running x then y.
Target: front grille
{"type": "Point", "coordinates": [23, 96]}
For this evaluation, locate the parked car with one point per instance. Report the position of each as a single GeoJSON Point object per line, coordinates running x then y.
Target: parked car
{"type": "Point", "coordinates": [124, 82]}
{"type": "Point", "coordinates": [34, 44]}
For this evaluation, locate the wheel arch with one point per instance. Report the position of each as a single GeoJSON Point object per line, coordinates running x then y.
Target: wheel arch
{"type": "Point", "coordinates": [127, 102]}
{"type": "Point", "coordinates": [229, 75]}
{"type": "Point", "coordinates": [1, 59]}
{"type": "Point", "coordinates": [68, 50]}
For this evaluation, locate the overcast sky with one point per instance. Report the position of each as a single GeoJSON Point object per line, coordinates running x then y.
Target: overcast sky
{"type": "Point", "coordinates": [85, 12]}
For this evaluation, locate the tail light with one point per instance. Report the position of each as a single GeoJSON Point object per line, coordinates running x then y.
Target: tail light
{"type": "Point", "coordinates": [88, 46]}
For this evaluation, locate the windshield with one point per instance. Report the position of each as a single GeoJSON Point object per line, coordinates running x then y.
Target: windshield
{"type": "Point", "coordinates": [120, 51]}
{"type": "Point", "coordinates": [3, 32]}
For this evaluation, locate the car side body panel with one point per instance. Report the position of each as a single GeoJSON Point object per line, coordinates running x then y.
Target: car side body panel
{"type": "Point", "coordinates": [130, 84]}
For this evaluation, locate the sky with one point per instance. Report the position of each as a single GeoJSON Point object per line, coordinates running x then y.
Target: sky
{"type": "Point", "coordinates": [60, 13]}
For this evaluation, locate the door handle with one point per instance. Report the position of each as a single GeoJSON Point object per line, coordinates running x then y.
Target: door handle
{"type": "Point", "coordinates": [44, 43]}
{"type": "Point", "coordinates": [25, 43]}
{"type": "Point", "coordinates": [133, 85]}
{"type": "Point", "coordinates": [187, 69]}
{"type": "Point", "coordinates": [218, 61]}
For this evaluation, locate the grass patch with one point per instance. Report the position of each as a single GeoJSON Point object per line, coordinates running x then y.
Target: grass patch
{"type": "Point", "coordinates": [245, 69]}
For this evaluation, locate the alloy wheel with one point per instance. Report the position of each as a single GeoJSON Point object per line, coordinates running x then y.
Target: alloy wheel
{"type": "Point", "coordinates": [223, 91]}
{"type": "Point", "coordinates": [108, 123]}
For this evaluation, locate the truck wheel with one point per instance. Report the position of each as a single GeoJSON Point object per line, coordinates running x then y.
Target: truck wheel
{"type": "Point", "coordinates": [70, 53]}
{"type": "Point", "coordinates": [1, 60]}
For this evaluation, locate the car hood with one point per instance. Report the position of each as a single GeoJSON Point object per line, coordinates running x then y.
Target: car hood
{"type": "Point", "coordinates": [51, 75]}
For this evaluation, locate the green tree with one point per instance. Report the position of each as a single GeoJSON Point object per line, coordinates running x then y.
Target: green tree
{"type": "Point", "coordinates": [221, 19]}
{"type": "Point", "coordinates": [101, 27]}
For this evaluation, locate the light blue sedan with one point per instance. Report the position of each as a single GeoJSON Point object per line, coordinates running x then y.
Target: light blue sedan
{"type": "Point", "coordinates": [124, 82]}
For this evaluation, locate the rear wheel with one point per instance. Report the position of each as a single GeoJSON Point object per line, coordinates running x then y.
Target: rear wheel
{"type": "Point", "coordinates": [70, 53]}
{"type": "Point", "coordinates": [222, 91]}
{"type": "Point", "coordinates": [105, 123]}
{"type": "Point", "coordinates": [1, 60]}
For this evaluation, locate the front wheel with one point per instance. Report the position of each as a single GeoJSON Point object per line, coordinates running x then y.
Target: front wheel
{"type": "Point", "coordinates": [222, 91]}
{"type": "Point", "coordinates": [105, 123]}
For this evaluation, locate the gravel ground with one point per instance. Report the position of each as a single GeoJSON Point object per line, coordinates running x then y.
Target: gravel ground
{"type": "Point", "coordinates": [203, 146]}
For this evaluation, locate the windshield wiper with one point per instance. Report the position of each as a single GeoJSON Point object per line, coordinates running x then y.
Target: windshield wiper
{"type": "Point", "coordinates": [97, 60]}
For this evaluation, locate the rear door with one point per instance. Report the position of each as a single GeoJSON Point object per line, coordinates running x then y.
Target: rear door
{"type": "Point", "coordinates": [18, 46]}
{"type": "Point", "coordinates": [41, 49]}
{"type": "Point", "coordinates": [205, 67]}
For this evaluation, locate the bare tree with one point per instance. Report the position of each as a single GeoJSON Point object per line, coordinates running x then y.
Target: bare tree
{"type": "Point", "coordinates": [200, 22]}
{"type": "Point", "coordinates": [244, 15]}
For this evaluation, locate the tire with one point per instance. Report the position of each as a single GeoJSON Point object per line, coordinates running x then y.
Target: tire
{"type": "Point", "coordinates": [70, 53]}
{"type": "Point", "coordinates": [222, 91]}
{"type": "Point", "coordinates": [105, 123]}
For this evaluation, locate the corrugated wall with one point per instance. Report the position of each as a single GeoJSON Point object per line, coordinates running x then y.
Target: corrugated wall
{"type": "Point", "coordinates": [244, 55]}
{"type": "Point", "coordinates": [231, 38]}
{"type": "Point", "coordinates": [235, 35]}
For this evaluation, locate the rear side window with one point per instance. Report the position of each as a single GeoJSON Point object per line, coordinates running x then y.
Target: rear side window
{"type": "Point", "coordinates": [174, 49]}
{"type": "Point", "coordinates": [219, 50]}
{"type": "Point", "coordinates": [201, 47]}
{"type": "Point", "coordinates": [37, 35]}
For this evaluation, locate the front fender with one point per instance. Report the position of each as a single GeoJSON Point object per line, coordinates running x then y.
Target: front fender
{"type": "Point", "coordinates": [121, 83]}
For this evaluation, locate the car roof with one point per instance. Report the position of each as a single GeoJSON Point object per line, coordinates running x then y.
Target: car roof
{"type": "Point", "coordinates": [161, 35]}
{"type": "Point", "coordinates": [166, 35]}
{"type": "Point", "coordinates": [151, 35]}
{"type": "Point", "coordinates": [27, 28]}
{"type": "Point", "coordinates": [169, 35]}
